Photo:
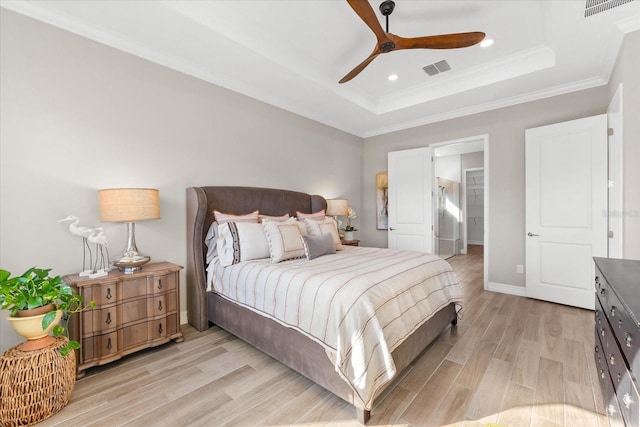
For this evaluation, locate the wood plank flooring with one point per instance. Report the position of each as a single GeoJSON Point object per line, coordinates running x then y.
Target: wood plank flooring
{"type": "Point", "coordinates": [511, 360]}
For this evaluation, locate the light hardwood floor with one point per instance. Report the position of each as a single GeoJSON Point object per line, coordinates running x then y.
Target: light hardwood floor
{"type": "Point", "coordinates": [511, 360]}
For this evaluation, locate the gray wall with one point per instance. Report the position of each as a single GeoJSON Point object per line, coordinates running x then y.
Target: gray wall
{"type": "Point", "coordinates": [626, 71]}
{"type": "Point", "coordinates": [77, 116]}
{"type": "Point", "coordinates": [506, 128]}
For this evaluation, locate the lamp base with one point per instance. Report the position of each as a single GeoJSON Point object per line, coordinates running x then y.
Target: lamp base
{"type": "Point", "coordinates": [131, 263]}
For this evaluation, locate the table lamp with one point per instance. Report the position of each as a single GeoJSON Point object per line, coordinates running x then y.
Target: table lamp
{"type": "Point", "coordinates": [129, 205]}
{"type": "Point", "coordinates": [335, 208]}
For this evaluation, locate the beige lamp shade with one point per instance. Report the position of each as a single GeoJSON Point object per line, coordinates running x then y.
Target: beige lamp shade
{"type": "Point", "coordinates": [129, 204]}
{"type": "Point", "coordinates": [336, 207]}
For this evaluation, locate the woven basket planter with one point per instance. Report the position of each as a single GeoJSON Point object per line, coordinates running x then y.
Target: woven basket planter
{"type": "Point", "coordinates": [35, 385]}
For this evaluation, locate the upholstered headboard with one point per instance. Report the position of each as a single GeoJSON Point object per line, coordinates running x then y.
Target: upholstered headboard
{"type": "Point", "coordinates": [201, 201]}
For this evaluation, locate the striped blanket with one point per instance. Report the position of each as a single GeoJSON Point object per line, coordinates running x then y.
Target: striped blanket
{"type": "Point", "coordinates": [359, 304]}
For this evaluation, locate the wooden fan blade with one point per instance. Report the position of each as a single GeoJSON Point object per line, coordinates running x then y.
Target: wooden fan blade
{"type": "Point", "coordinates": [361, 66]}
{"type": "Point", "coordinates": [442, 41]}
{"type": "Point", "coordinates": [364, 10]}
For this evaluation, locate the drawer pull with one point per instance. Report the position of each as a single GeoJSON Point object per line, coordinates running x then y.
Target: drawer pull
{"type": "Point", "coordinates": [627, 400]}
{"type": "Point", "coordinates": [612, 359]}
{"type": "Point", "coordinates": [619, 378]}
{"type": "Point", "coordinates": [109, 346]}
{"type": "Point", "coordinates": [611, 410]}
{"type": "Point", "coordinates": [602, 332]}
{"type": "Point", "coordinates": [627, 339]}
{"type": "Point", "coordinates": [109, 293]}
{"type": "Point", "coordinates": [108, 321]}
{"type": "Point", "coordinates": [597, 349]}
{"type": "Point", "coordinates": [159, 283]}
{"type": "Point", "coordinates": [602, 373]}
{"type": "Point", "coordinates": [160, 305]}
{"type": "Point", "coordinates": [613, 311]}
{"type": "Point", "coordinates": [603, 292]}
{"type": "Point", "coordinates": [160, 328]}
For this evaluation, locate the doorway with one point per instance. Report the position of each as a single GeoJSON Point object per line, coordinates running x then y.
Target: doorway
{"type": "Point", "coordinates": [453, 160]}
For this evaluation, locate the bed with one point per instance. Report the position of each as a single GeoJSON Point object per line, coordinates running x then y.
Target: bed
{"type": "Point", "coordinates": [294, 346]}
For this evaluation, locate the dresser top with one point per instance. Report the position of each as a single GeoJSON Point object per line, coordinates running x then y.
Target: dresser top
{"type": "Point", "coordinates": [623, 275]}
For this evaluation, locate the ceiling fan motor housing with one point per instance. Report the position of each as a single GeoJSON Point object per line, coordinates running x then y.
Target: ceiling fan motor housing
{"type": "Point", "coordinates": [386, 7]}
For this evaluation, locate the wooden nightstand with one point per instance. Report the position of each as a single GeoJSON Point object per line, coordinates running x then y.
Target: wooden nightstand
{"type": "Point", "coordinates": [354, 242]}
{"type": "Point", "coordinates": [133, 312]}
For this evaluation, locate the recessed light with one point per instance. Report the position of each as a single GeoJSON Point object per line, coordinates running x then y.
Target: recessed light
{"type": "Point", "coordinates": [486, 42]}
{"type": "Point", "coordinates": [393, 77]}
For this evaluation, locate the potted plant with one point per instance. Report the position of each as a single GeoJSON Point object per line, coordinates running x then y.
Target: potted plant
{"type": "Point", "coordinates": [35, 298]}
{"type": "Point", "coordinates": [349, 229]}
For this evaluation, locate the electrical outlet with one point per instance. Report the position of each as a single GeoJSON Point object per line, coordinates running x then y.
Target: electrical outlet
{"type": "Point", "coordinates": [520, 268]}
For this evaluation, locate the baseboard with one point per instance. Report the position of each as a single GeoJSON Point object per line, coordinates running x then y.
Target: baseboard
{"type": "Point", "coordinates": [475, 242]}
{"type": "Point", "coordinates": [506, 289]}
{"type": "Point", "coordinates": [183, 317]}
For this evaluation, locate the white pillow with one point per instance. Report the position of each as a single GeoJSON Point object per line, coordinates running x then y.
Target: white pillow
{"type": "Point", "coordinates": [315, 215]}
{"type": "Point", "coordinates": [263, 218]}
{"type": "Point", "coordinates": [325, 226]}
{"type": "Point", "coordinates": [284, 240]}
{"type": "Point", "coordinates": [241, 241]}
{"type": "Point", "coordinates": [211, 240]}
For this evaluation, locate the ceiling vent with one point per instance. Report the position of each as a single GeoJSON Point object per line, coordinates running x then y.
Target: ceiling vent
{"type": "Point", "coordinates": [593, 7]}
{"type": "Point", "coordinates": [436, 68]}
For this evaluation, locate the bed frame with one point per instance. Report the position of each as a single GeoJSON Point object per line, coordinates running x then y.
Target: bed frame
{"type": "Point", "coordinates": [284, 344]}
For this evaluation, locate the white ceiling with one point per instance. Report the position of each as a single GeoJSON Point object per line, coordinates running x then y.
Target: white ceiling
{"type": "Point", "coordinates": [291, 53]}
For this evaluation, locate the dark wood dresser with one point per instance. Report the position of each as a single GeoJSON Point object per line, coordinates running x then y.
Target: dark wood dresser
{"type": "Point", "coordinates": [617, 330]}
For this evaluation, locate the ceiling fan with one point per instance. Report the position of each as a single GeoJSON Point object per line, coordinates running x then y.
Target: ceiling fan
{"type": "Point", "coordinates": [387, 42]}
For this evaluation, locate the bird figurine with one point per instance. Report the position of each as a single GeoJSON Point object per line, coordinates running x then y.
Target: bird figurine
{"type": "Point", "coordinates": [83, 232]}
{"type": "Point", "coordinates": [100, 240]}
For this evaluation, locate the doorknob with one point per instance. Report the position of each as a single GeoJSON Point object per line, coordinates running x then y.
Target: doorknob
{"type": "Point", "coordinates": [391, 228]}
{"type": "Point", "coordinates": [532, 235]}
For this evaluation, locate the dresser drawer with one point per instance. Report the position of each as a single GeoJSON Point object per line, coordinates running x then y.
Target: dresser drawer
{"type": "Point", "coordinates": [100, 321]}
{"type": "Point", "coordinates": [626, 332]}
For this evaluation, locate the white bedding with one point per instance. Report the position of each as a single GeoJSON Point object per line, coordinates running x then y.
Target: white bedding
{"type": "Point", "coordinates": [359, 304]}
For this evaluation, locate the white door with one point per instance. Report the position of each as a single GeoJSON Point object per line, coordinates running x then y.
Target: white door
{"type": "Point", "coordinates": [566, 201]}
{"type": "Point", "coordinates": [410, 192]}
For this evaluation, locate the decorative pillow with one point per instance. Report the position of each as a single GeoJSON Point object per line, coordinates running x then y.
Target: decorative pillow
{"type": "Point", "coordinates": [284, 240]}
{"type": "Point", "coordinates": [316, 215]}
{"type": "Point", "coordinates": [316, 246]}
{"type": "Point", "coordinates": [241, 241]}
{"type": "Point", "coordinates": [221, 217]}
{"type": "Point", "coordinates": [263, 218]}
{"type": "Point", "coordinates": [211, 240]}
{"type": "Point", "coordinates": [325, 226]}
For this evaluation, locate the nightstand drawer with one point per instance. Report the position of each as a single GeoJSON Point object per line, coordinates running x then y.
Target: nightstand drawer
{"type": "Point", "coordinates": [163, 283]}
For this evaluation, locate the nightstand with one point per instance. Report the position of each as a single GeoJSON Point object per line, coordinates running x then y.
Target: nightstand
{"type": "Point", "coordinates": [354, 242]}
{"type": "Point", "coordinates": [133, 312]}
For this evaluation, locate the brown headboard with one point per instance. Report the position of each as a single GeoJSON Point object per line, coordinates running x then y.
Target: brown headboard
{"type": "Point", "coordinates": [201, 201]}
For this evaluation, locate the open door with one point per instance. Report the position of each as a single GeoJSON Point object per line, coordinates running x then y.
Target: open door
{"type": "Point", "coordinates": [566, 202]}
{"type": "Point", "coordinates": [410, 200]}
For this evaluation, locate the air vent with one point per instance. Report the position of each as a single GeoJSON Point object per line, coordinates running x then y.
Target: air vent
{"type": "Point", "coordinates": [593, 7]}
{"type": "Point", "coordinates": [436, 68]}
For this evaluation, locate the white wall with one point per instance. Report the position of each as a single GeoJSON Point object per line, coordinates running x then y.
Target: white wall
{"type": "Point", "coordinates": [77, 116]}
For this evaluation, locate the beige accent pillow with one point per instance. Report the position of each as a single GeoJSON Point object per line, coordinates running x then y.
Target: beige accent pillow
{"type": "Point", "coordinates": [221, 217]}
{"type": "Point", "coordinates": [325, 226]}
{"type": "Point", "coordinates": [284, 240]}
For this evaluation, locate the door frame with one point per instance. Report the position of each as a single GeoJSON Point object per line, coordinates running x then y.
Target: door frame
{"type": "Point", "coordinates": [463, 204]}
{"type": "Point", "coordinates": [484, 140]}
